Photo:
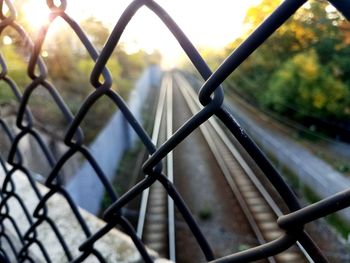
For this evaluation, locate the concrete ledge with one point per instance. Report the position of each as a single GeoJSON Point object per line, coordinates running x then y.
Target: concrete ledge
{"type": "Point", "coordinates": [114, 246]}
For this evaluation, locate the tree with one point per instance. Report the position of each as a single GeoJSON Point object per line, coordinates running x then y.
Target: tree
{"type": "Point", "coordinates": [303, 68]}
{"type": "Point", "coordinates": [309, 87]}
{"type": "Point", "coordinates": [96, 30]}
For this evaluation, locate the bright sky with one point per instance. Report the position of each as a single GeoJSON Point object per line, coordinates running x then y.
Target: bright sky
{"type": "Point", "coordinates": [207, 23]}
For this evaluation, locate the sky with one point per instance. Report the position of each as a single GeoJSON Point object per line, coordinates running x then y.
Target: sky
{"type": "Point", "coordinates": [210, 24]}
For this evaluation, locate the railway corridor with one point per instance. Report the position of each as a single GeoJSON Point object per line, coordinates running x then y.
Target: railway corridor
{"type": "Point", "coordinates": [232, 208]}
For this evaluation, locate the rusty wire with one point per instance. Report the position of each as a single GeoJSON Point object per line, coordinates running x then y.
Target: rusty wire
{"type": "Point", "coordinates": [211, 96]}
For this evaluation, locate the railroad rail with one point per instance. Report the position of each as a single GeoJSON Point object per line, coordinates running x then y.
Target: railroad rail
{"type": "Point", "coordinates": [156, 224]}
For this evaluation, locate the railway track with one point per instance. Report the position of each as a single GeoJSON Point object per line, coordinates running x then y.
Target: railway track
{"type": "Point", "coordinates": [258, 206]}
{"type": "Point", "coordinates": [156, 224]}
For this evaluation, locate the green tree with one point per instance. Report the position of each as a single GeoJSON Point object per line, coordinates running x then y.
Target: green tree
{"type": "Point", "coordinates": [309, 87]}
{"type": "Point", "coordinates": [278, 74]}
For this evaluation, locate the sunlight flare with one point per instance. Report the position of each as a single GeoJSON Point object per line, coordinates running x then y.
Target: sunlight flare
{"type": "Point", "coordinates": [36, 14]}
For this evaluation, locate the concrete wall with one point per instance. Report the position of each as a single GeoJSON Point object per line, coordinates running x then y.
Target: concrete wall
{"type": "Point", "coordinates": [323, 179]}
{"type": "Point", "coordinates": [109, 146]}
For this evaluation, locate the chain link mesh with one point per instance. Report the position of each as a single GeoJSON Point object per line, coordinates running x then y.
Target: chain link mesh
{"type": "Point", "coordinates": [211, 96]}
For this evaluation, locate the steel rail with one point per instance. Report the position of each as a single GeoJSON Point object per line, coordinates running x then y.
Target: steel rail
{"type": "Point", "coordinates": [155, 135]}
{"type": "Point", "coordinates": [170, 172]}
{"type": "Point", "coordinates": [164, 103]}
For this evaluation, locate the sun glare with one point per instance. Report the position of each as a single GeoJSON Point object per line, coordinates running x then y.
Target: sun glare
{"type": "Point", "coordinates": [213, 26]}
{"type": "Point", "coordinates": [7, 40]}
{"type": "Point", "coordinates": [36, 13]}
{"type": "Point", "coordinates": [207, 24]}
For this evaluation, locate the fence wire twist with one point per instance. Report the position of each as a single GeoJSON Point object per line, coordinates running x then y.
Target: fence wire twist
{"type": "Point", "coordinates": [211, 96]}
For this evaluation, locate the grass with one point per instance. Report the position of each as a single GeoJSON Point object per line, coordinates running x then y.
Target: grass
{"type": "Point", "coordinates": [205, 213]}
{"type": "Point", "coordinates": [341, 226]}
{"type": "Point", "coordinates": [338, 223]}
{"type": "Point", "coordinates": [309, 136]}
{"type": "Point", "coordinates": [343, 167]}
{"type": "Point", "coordinates": [126, 170]}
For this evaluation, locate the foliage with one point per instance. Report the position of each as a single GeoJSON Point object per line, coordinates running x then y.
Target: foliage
{"type": "Point", "coordinates": [303, 69]}
{"type": "Point", "coordinates": [309, 86]}
{"type": "Point", "coordinates": [17, 67]}
{"type": "Point", "coordinates": [69, 66]}
{"type": "Point", "coordinates": [96, 30]}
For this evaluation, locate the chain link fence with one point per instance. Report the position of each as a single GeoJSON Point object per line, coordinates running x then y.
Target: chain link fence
{"type": "Point", "coordinates": [211, 96]}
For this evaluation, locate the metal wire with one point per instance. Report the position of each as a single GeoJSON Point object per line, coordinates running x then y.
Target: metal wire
{"type": "Point", "coordinates": [211, 96]}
